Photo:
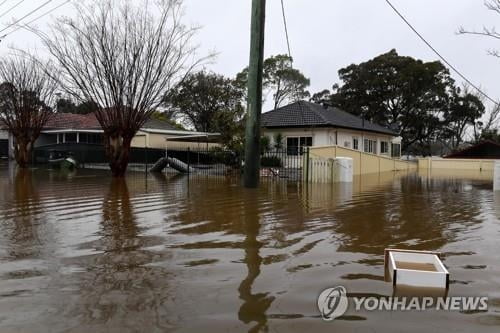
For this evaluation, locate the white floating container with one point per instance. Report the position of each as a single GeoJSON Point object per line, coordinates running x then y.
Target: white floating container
{"type": "Point", "coordinates": [343, 169]}
{"type": "Point", "coordinates": [421, 269]}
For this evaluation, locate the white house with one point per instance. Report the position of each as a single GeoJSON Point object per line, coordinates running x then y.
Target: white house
{"type": "Point", "coordinates": [67, 131]}
{"type": "Point", "coordinates": [303, 124]}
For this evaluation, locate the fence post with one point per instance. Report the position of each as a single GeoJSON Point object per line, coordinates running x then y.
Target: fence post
{"type": "Point", "coordinates": [307, 164]}
{"type": "Point", "coordinates": [189, 160]}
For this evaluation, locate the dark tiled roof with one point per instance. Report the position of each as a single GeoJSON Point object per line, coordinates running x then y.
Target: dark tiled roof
{"type": "Point", "coordinates": [159, 125]}
{"type": "Point", "coordinates": [307, 114]}
{"type": "Point", "coordinates": [483, 150]}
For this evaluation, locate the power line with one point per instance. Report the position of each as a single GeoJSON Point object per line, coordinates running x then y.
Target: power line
{"type": "Point", "coordinates": [439, 55]}
{"type": "Point", "coordinates": [11, 8]}
{"type": "Point", "coordinates": [4, 1]}
{"type": "Point", "coordinates": [286, 29]}
{"type": "Point", "coordinates": [25, 16]}
{"type": "Point", "coordinates": [35, 19]}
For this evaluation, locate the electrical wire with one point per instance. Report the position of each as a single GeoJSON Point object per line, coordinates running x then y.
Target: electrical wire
{"type": "Point", "coordinates": [11, 8]}
{"type": "Point", "coordinates": [439, 54]}
{"type": "Point", "coordinates": [35, 19]}
{"type": "Point", "coordinates": [286, 29]}
{"type": "Point", "coordinates": [4, 1]}
{"type": "Point", "coordinates": [25, 16]}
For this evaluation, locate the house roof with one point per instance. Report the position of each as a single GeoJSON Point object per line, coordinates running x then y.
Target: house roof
{"type": "Point", "coordinates": [483, 150]}
{"type": "Point", "coordinates": [61, 121]}
{"type": "Point", "coordinates": [159, 125]}
{"type": "Point", "coordinates": [307, 114]}
{"type": "Point", "coordinates": [72, 121]}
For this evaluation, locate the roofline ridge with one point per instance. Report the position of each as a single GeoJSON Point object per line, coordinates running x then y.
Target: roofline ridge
{"type": "Point", "coordinates": [316, 111]}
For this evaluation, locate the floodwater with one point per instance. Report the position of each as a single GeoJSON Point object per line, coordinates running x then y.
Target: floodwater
{"type": "Point", "coordinates": [84, 253]}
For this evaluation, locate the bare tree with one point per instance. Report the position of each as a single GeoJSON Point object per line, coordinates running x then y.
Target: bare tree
{"type": "Point", "coordinates": [493, 118]}
{"type": "Point", "coordinates": [26, 97]}
{"type": "Point", "coordinates": [124, 58]}
{"type": "Point", "coordinates": [493, 5]}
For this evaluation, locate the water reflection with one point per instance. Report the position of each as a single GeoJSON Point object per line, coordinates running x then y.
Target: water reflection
{"type": "Point", "coordinates": [189, 254]}
{"type": "Point", "coordinates": [118, 286]}
{"type": "Point", "coordinates": [376, 211]}
{"type": "Point", "coordinates": [20, 214]}
{"type": "Point", "coordinates": [254, 305]}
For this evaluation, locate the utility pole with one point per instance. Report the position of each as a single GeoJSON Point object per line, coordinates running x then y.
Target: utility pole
{"type": "Point", "coordinates": [255, 68]}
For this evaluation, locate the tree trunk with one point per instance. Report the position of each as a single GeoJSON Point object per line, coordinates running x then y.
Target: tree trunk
{"type": "Point", "coordinates": [22, 152]}
{"type": "Point", "coordinates": [118, 152]}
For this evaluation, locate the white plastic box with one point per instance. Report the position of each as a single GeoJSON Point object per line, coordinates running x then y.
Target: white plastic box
{"type": "Point", "coordinates": [416, 269]}
{"type": "Point", "coordinates": [343, 169]}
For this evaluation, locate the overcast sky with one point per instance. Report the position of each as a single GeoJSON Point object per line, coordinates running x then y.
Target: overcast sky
{"type": "Point", "coordinates": [327, 35]}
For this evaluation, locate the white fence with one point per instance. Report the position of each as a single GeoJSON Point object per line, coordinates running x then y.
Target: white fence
{"type": "Point", "coordinates": [328, 170]}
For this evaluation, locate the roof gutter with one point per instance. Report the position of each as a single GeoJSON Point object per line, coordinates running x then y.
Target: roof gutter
{"type": "Point", "coordinates": [334, 126]}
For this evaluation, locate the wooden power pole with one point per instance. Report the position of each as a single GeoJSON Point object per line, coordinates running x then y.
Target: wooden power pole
{"type": "Point", "coordinates": [255, 68]}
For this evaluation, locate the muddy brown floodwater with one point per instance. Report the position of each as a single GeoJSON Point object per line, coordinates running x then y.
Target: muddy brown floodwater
{"type": "Point", "coordinates": [84, 253]}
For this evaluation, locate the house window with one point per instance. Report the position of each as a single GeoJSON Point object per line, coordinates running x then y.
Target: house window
{"type": "Point", "coordinates": [370, 146]}
{"type": "Point", "coordinates": [384, 147]}
{"type": "Point", "coordinates": [295, 145]}
{"type": "Point", "coordinates": [396, 150]}
{"type": "Point", "coordinates": [60, 138]}
{"type": "Point", "coordinates": [355, 143]}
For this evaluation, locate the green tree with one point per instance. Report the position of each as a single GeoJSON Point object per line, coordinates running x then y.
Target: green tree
{"type": "Point", "coordinates": [209, 102]}
{"type": "Point", "coordinates": [492, 135]}
{"type": "Point", "coordinates": [164, 116]}
{"type": "Point", "coordinates": [398, 92]}
{"type": "Point", "coordinates": [464, 110]}
{"type": "Point", "coordinates": [285, 83]}
{"type": "Point", "coordinates": [65, 105]}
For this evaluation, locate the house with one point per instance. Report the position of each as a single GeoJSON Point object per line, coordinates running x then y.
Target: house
{"type": "Point", "coordinates": [76, 132]}
{"type": "Point", "coordinates": [484, 150]}
{"type": "Point", "coordinates": [76, 128]}
{"type": "Point", "coordinates": [302, 124]}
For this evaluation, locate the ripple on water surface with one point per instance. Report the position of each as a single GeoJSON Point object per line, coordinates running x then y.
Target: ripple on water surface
{"type": "Point", "coordinates": [82, 252]}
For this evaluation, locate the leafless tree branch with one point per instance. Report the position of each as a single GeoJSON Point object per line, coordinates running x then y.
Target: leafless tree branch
{"type": "Point", "coordinates": [123, 57]}
{"type": "Point", "coordinates": [27, 95]}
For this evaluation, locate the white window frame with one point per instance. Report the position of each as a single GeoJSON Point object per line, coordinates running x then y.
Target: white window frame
{"type": "Point", "coordinates": [299, 145]}
{"type": "Point", "coordinates": [370, 146]}
{"type": "Point", "coordinates": [355, 143]}
{"type": "Point", "coordinates": [386, 152]}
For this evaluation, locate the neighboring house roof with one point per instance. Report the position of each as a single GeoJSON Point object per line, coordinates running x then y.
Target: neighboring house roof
{"type": "Point", "coordinates": [159, 125]}
{"type": "Point", "coordinates": [71, 121]}
{"type": "Point", "coordinates": [484, 150]}
{"type": "Point", "coordinates": [307, 114]}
